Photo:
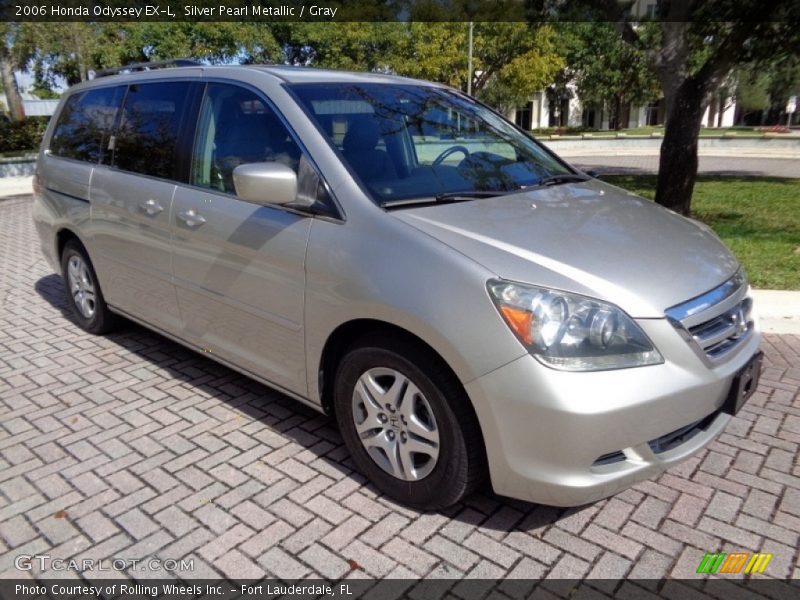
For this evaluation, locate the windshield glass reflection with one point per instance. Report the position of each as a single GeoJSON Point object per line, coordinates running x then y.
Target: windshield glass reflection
{"type": "Point", "coordinates": [413, 141]}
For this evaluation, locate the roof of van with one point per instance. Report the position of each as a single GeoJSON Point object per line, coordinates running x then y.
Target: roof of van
{"type": "Point", "coordinates": [290, 74]}
{"type": "Point", "coordinates": [313, 74]}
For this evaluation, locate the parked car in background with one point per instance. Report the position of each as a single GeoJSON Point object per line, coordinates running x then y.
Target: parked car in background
{"type": "Point", "coordinates": [391, 252]}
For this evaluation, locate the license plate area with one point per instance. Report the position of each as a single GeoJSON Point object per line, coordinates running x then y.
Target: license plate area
{"type": "Point", "coordinates": [744, 385]}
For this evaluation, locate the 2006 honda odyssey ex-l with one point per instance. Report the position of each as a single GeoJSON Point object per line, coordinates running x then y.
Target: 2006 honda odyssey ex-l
{"type": "Point", "coordinates": [391, 252]}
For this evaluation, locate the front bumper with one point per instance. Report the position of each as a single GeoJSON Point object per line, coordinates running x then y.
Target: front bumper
{"type": "Point", "coordinates": [545, 429]}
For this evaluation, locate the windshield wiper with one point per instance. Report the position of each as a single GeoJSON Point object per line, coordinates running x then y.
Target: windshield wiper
{"type": "Point", "coordinates": [445, 197]}
{"type": "Point", "coordinates": [469, 195]}
{"type": "Point", "coordinates": [562, 178]}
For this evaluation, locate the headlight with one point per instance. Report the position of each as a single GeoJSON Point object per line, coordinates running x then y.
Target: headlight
{"type": "Point", "coordinates": [571, 332]}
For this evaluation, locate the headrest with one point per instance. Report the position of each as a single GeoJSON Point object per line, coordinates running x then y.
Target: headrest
{"type": "Point", "coordinates": [362, 134]}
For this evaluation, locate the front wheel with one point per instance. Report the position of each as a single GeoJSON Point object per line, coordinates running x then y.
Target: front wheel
{"type": "Point", "coordinates": [404, 419]}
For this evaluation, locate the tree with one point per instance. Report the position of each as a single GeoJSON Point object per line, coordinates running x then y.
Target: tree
{"type": "Point", "coordinates": [63, 49]}
{"type": "Point", "coordinates": [346, 45]}
{"type": "Point", "coordinates": [72, 49]}
{"type": "Point", "coordinates": [699, 44]}
{"type": "Point", "coordinates": [607, 71]}
{"type": "Point", "coordinates": [696, 54]}
{"type": "Point", "coordinates": [513, 60]}
{"type": "Point", "coordinates": [433, 51]}
{"type": "Point", "coordinates": [12, 57]}
{"type": "Point", "coordinates": [752, 91]}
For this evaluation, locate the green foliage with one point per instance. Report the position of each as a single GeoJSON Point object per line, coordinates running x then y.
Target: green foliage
{"type": "Point", "coordinates": [22, 136]}
{"type": "Point", "coordinates": [513, 60]}
{"type": "Point", "coordinates": [433, 51]}
{"type": "Point", "coordinates": [752, 91]}
{"type": "Point", "coordinates": [353, 46]}
{"type": "Point", "coordinates": [607, 70]}
{"type": "Point", "coordinates": [784, 79]}
{"type": "Point", "coordinates": [72, 49]}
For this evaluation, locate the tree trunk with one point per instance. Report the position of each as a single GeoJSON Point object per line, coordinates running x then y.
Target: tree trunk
{"type": "Point", "coordinates": [617, 113]}
{"type": "Point", "coordinates": [15, 109]}
{"type": "Point", "coordinates": [673, 57]}
{"type": "Point", "coordinates": [677, 170]}
{"type": "Point", "coordinates": [713, 109]}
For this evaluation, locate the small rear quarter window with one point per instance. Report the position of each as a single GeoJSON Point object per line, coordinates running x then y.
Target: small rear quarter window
{"type": "Point", "coordinates": [85, 124]}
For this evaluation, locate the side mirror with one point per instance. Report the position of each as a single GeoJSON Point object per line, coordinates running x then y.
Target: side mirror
{"type": "Point", "coordinates": [265, 183]}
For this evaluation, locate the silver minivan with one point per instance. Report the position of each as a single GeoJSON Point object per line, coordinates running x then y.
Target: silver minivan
{"type": "Point", "coordinates": [391, 252]}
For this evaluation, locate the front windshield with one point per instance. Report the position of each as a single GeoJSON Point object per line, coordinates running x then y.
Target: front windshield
{"type": "Point", "coordinates": [415, 142]}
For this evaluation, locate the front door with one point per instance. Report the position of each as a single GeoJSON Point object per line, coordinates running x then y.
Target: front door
{"type": "Point", "coordinates": [240, 267]}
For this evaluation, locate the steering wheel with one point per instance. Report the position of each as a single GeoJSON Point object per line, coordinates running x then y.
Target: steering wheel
{"type": "Point", "coordinates": [451, 150]}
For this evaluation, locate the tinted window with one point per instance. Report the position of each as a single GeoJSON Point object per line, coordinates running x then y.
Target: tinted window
{"type": "Point", "coordinates": [147, 138]}
{"type": "Point", "coordinates": [236, 127]}
{"type": "Point", "coordinates": [84, 125]}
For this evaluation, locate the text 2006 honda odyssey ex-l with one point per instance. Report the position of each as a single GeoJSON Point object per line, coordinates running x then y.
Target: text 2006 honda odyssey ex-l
{"type": "Point", "coordinates": [393, 253]}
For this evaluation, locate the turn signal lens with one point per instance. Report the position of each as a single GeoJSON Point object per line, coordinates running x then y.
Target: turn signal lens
{"type": "Point", "coordinates": [520, 322]}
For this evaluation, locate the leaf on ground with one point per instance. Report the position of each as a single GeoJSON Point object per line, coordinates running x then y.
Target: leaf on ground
{"type": "Point", "coordinates": [354, 566]}
{"type": "Point", "coordinates": [62, 514]}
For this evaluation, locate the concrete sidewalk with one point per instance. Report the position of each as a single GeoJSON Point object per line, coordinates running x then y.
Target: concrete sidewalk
{"type": "Point", "coordinates": [779, 310]}
{"type": "Point", "coordinates": [15, 186]}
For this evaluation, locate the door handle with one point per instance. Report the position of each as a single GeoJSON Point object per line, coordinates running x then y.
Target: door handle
{"type": "Point", "coordinates": [191, 218]}
{"type": "Point", "coordinates": [151, 207]}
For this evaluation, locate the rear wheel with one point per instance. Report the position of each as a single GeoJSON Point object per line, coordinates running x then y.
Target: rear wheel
{"type": "Point", "coordinates": [83, 292]}
{"type": "Point", "coordinates": [404, 419]}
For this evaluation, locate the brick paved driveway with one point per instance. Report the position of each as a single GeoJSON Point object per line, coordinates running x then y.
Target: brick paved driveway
{"type": "Point", "coordinates": [132, 447]}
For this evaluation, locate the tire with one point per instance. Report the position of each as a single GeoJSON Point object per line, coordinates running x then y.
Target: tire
{"type": "Point", "coordinates": [83, 292]}
{"type": "Point", "coordinates": [432, 414]}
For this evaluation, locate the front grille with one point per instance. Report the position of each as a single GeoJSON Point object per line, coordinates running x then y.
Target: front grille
{"type": "Point", "coordinates": [717, 322]}
{"type": "Point", "coordinates": [720, 335]}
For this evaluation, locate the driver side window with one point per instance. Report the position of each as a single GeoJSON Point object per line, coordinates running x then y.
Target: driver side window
{"type": "Point", "coordinates": [236, 127]}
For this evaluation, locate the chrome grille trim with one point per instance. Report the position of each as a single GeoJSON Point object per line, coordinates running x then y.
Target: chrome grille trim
{"type": "Point", "coordinates": [692, 312]}
{"type": "Point", "coordinates": [717, 322]}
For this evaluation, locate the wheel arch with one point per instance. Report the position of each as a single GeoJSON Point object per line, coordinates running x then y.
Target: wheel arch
{"type": "Point", "coordinates": [64, 235]}
{"type": "Point", "coordinates": [348, 333]}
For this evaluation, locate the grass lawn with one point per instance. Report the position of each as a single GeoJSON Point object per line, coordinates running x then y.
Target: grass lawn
{"type": "Point", "coordinates": [646, 131]}
{"type": "Point", "coordinates": [757, 217]}
{"type": "Point", "coordinates": [705, 131]}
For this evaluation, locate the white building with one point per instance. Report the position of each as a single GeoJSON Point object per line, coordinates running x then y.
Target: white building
{"type": "Point", "coordinates": [538, 114]}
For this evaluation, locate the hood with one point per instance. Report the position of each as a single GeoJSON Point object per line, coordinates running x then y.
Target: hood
{"type": "Point", "coordinates": [589, 238]}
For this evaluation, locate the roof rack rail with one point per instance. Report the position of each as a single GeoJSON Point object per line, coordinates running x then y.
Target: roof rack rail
{"type": "Point", "coordinates": [147, 66]}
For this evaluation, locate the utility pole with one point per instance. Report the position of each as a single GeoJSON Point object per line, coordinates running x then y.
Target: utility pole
{"type": "Point", "coordinates": [469, 62]}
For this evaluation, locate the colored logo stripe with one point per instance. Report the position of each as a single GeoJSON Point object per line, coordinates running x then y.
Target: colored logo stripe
{"type": "Point", "coordinates": [711, 562]}
{"type": "Point", "coordinates": [758, 563]}
{"type": "Point", "coordinates": [734, 562]}
{"type": "Point", "coordinates": [721, 562]}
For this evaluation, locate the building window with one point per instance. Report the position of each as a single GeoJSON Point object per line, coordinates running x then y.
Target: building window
{"type": "Point", "coordinates": [523, 117]}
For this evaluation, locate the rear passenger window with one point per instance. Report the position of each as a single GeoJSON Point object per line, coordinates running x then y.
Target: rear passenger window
{"type": "Point", "coordinates": [147, 137]}
{"type": "Point", "coordinates": [84, 126]}
{"type": "Point", "coordinates": [236, 127]}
